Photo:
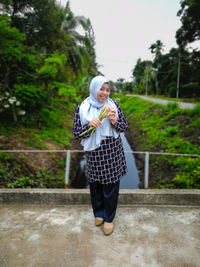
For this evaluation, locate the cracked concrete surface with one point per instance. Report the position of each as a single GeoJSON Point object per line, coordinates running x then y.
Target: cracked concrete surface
{"type": "Point", "coordinates": [65, 235]}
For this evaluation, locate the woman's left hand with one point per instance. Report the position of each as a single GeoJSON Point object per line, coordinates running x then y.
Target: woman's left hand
{"type": "Point", "coordinates": [112, 115]}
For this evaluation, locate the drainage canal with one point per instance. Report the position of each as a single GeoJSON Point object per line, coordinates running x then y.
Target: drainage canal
{"type": "Point", "coordinates": [78, 178]}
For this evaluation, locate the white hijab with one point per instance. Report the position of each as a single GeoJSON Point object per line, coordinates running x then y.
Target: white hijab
{"type": "Point", "coordinates": [89, 109]}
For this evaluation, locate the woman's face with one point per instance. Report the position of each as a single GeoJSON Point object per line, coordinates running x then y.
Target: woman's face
{"type": "Point", "coordinates": [103, 93]}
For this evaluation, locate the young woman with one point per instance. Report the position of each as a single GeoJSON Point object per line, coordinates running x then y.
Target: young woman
{"type": "Point", "coordinates": [104, 152]}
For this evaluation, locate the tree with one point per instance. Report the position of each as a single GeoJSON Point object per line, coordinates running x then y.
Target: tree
{"type": "Point", "coordinates": [40, 21]}
{"type": "Point", "coordinates": [167, 75]}
{"type": "Point", "coordinates": [190, 32]}
{"type": "Point", "coordinates": [12, 55]}
{"type": "Point", "coordinates": [143, 76]}
{"type": "Point", "coordinates": [15, 57]}
{"type": "Point", "coordinates": [150, 79]}
{"type": "Point", "coordinates": [81, 53]}
{"type": "Point", "coordinates": [156, 49]}
{"type": "Point", "coordinates": [139, 69]}
{"type": "Point", "coordinates": [190, 18]}
{"type": "Point", "coordinates": [168, 72]}
{"type": "Point", "coordinates": [42, 53]}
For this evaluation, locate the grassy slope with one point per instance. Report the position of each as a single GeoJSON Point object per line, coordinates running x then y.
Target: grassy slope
{"type": "Point", "coordinates": [54, 132]}
{"type": "Point", "coordinates": [166, 129]}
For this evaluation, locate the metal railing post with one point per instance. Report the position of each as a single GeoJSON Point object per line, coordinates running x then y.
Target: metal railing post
{"type": "Point", "coordinates": [67, 169]}
{"type": "Point", "coordinates": [146, 170]}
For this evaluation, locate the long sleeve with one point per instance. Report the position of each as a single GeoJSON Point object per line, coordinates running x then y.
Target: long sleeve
{"type": "Point", "coordinates": [121, 125]}
{"type": "Point", "coordinates": [78, 128]}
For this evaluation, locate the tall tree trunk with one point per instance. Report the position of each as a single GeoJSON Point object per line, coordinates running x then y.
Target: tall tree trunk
{"type": "Point", "coordinates": [14, 113]}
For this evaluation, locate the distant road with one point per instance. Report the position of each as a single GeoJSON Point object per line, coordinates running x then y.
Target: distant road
{"type": "Point", "coordinates": [182, 105]}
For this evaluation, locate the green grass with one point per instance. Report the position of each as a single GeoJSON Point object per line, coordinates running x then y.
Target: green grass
{"type": "Point", "coordinates": [166, 129]}
{"type": "Point", "coordinates": [51, 127]}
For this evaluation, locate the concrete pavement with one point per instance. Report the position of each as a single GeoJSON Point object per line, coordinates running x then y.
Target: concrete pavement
{"type": "Point", "coordinates": [65, 235]}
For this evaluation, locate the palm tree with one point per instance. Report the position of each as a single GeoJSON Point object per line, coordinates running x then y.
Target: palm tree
{"type": "Point", "coordinates": [156, 49]}
{"type": "Point", "coordinates": [80, 46]}
{"type": "Point", "coordinates": [149, 78]}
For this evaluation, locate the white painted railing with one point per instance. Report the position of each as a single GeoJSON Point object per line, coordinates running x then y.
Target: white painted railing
{"type": "Point", "coordinates": [68, 156]}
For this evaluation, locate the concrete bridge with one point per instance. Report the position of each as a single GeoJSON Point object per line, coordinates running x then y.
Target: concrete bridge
{"type": "Point", "coordinates": [55, 227]}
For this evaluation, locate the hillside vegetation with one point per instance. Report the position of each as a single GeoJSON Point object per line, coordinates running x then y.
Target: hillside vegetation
{"type": "Point", "coordinates": [167, 129]}
{"type": "Point", "coordinates": [45, 69]}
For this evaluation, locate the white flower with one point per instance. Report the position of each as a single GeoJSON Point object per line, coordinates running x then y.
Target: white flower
{"type": "Point", "coordinates": [6, 106]}
{"type": "Point", "coordinates": [17, 103]}
{"type": "Point", "coordinates": [6, 93]}
{"type": "Point", "coordinates": [11, 100]}
{"type": "Point", "coordinates": [21, 112]}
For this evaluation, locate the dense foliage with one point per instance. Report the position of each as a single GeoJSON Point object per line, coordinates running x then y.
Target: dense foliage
{"type": "Point", "coordinates": [45, 68]}
{"type": "Point", "coordinates": [190, 19]}
{"type": "Point", "coordinates": [42, 57]}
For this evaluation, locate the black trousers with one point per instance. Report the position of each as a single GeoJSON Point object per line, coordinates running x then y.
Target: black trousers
{"type": "Point", "coordinates": [104, 199]}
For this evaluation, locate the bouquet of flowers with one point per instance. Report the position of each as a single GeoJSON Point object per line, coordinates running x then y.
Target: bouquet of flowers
{"type": "Point", "coordinates": [103, 114]}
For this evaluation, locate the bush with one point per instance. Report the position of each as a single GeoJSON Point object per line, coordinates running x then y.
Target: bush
{"type": "Point", "coordinates": [22, 182]}
{"type": "Point", "coordinates": [33, 99]}
{"type": "Point", "coordinates": [190, 175]}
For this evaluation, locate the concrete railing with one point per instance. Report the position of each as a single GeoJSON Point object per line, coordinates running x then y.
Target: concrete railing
{"type": "Point", "coordinates": [82, 196]}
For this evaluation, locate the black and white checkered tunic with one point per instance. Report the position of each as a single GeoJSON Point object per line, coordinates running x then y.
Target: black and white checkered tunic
{"type": "Point", "coordinates": [107, 163]}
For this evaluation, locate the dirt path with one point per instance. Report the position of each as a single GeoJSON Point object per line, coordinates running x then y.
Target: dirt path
{"type": "Point", "coordinates": [182, 105]}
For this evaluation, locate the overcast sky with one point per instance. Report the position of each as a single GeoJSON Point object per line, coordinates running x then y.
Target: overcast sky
{"type": "Point", "coordinates": [125, 29]}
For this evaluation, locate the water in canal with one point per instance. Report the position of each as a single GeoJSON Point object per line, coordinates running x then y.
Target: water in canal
{"type": "Point", "coordinates": [129, 181]}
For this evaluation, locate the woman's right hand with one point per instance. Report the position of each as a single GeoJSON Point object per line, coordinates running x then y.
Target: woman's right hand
{"type": "Point", "coordinates": [95, 122]}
